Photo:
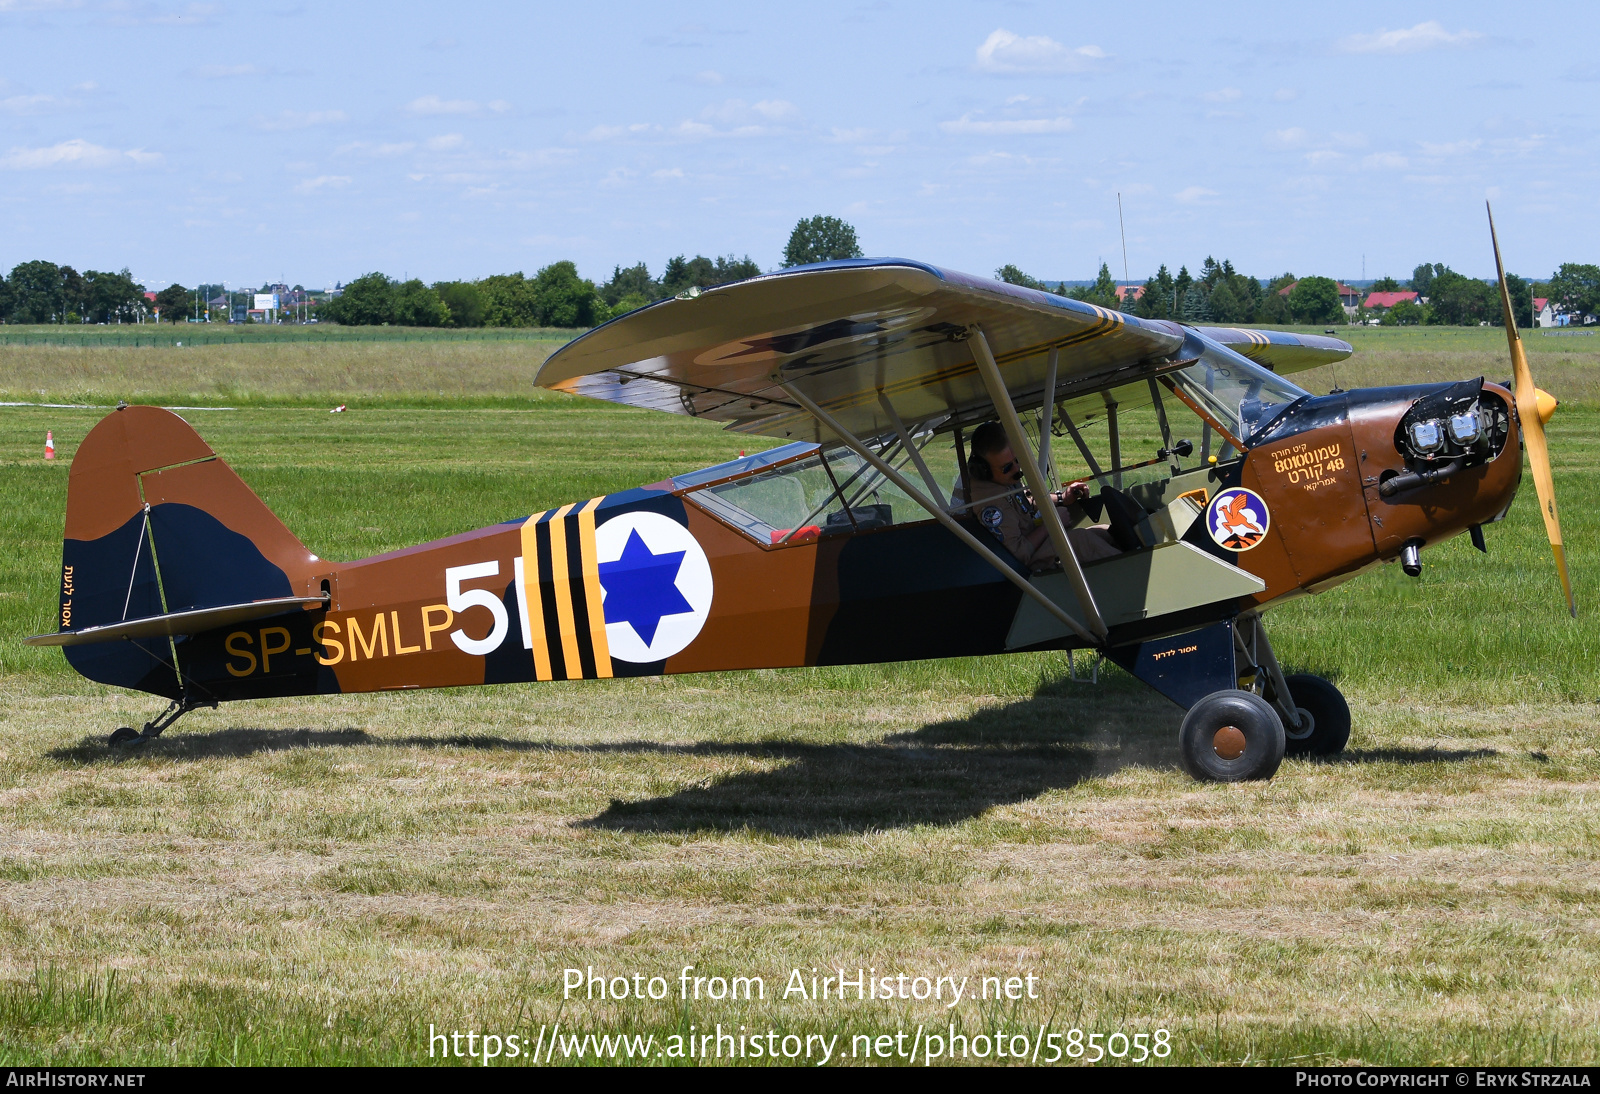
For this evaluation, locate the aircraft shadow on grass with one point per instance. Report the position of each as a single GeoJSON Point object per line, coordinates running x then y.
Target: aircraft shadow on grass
{"type": "Point", "coordinates": [942, 773]}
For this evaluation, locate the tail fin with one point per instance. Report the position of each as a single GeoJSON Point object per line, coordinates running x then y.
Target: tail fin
{"type": "Point", "coordinates": [157, 523]}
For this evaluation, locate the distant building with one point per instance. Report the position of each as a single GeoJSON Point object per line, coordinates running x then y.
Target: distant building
{"type": "Point", "coordinates": [1545, 314]}
{"type": "Point", "coordinates": [1129, 293]}
{"type": "Point", "coordinates": [1388, 300]}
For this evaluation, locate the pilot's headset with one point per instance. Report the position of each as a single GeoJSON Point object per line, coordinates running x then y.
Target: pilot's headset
{"type": "Point", "coordinates": [987, 439]}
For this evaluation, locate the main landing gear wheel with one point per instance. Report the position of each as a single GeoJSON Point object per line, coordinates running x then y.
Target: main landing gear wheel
{"type": "Point", "coordinates": [123, 735]}
{"type": "Point", "coordinates": [1231, 736]}
{"type": "Point", "coordinates": [1324, 717]}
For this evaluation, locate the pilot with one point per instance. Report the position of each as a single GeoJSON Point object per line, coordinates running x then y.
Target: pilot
{"type": "Point", "coordinates": [1012, 515]}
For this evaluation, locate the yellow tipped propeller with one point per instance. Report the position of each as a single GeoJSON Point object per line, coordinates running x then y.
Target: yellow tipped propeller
{"type": "Point", "coordinates": [1534, 408]}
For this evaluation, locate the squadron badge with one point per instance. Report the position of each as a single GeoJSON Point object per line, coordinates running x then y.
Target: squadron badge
{"type": "Point", "coordinates": [1238, 519]}
{"type": "Point", "coordinates": [656, 586]}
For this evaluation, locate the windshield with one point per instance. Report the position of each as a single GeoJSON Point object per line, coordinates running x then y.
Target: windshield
{"type": "Point", "coordinates": [832, 491]}
{"type": "Point", "coordinates": [1240, 394]}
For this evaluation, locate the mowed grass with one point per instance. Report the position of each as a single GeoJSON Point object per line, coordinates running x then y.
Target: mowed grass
{"type": "Point", "coordinates": [319, 880]}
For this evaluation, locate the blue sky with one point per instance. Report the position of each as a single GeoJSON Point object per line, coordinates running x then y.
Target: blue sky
{"type": "Point", "coordinates": [238, 142]}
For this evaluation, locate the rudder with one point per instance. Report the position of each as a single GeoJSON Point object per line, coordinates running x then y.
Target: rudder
{"type": "Point", "coordinates": [158, 523]}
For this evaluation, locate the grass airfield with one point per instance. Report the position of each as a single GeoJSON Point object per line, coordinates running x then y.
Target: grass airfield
{"type": "Point", "coordinates": [318, 880]}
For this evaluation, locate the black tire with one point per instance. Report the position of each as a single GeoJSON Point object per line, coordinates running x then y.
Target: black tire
{"type": "Point", "coordinates": [1231, 736]}
{"type": "Point", "coordinates": [1329, 731]}
{"type": "Point", "coordinates": [121, 736]}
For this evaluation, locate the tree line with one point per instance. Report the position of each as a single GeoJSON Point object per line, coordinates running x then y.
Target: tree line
{"type": "Point", "coordinates": [1222, 295]}
{"type": "Point", "coordinates": [42, 292]}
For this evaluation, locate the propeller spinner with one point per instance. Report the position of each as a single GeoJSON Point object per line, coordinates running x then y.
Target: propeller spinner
{"type": "Point", "coordinates": [1534, 408]}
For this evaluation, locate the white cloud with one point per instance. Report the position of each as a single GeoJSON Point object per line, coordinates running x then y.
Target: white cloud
{"type": "Point", "coordinates": [1286, 95]}
{"type": "Point", "coordinates": [39, 5]}
{"type": "Point", "coordinates": [1390, 161]}
{"type": "Point", "coordinates": [32, 104]}
{"type": "Point", "coordinates": [1194, 195]}
{"type": "Point", "coordinates": [737, 112]}
{"type": "Point", "coordinates": [1224, 95]}
{"type": "Point", "coordinates": [1287, 138]}
{"type": "Point", "coordinates": [1006, 53]}
{"type": "Point", "coordinates": [433, 105]}
{"type": "Point", "coordinates": [1450, 148]}
{"type": "Point", "coordinates": [853, 136]}
{"type": "Point", "coordinates": [76, 153]}
{"type": "Point", "coordinates": [446, 142]}
{"type": "Point", "coordinates": [300, 119]}
{"type": "Point", "coordinates": [967, 125]}
{"type": "Point", "coordinates": [1322, 157]}
{"type": "Point", "coordinates": [363, 148]}
{"type": "Point", "coordinates": [612, 132]}
{"type": "Point", "coordinates": [323, 182]}
{"type": "Point", "coordinates": [667, 173]}
{"type": "Point", "coordinates": [224, 72]}
{"type": "Point", "coordinates": [1423, 36]}
{"type": "Point", "coordinates": [708, 77]}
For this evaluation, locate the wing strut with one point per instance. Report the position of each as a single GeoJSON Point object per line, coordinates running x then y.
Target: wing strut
{"type": "Point", "coordinates": [1051, 364]}
{"type": "Point", "coordinates": [990, 371]}
{"type": "Point", "coordinates": [905, 442]}
{"type": "Point", "coordinates": [855, 445]}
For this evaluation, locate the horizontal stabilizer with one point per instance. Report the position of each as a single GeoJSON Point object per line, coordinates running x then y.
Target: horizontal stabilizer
{"type": "Point", "coordinates": [178, 624]}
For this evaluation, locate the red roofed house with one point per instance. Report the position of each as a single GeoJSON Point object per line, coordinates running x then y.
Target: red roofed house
{"type": "Point", "coordinates": [1545, 314]}
{"type": "Point", "coordinates": [1127, 294]}
{"type": "Point", "coordinates": [1388, 299]}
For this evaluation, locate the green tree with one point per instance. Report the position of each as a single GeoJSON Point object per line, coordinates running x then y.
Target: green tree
{"type": "Point", "coordinates": [564, 298]}
{"type": "Point", "coordinates": [1273, 311]}
{"type": "Point", "coordinates": [1195, 308]}
{"type": "Point", "coordinates": [1316, 300]}
{"type": "Point", "coordinates": [509, 300]}
{"type": "Point", "coordinates": [36, 292]}
{"type": "Point", "coordinates": [1101, 291]}
{"type": "Point", "coordinates": [1385, 284]}
{"type": "Point", "coordinates": [1520, 289]}
{"type": "Point", "coordinates": [368, 301]}
{"type": "Point", "coordinates": [1457, 300]}
{"type": "Point", "coordinates": [464, 301]}
{"type": "Point", "coordinates": [416, 305]}
{"type": "Point", "coordinates": [1575, 288]}
{"type": "Point", "coordinates": [5, 299]}
{"type": "Point", "coordinates": [630, 282]}
{"type": "Point", "coordinates": [1282, 281]}
{"type": "Point", "coordinates": [1157, 299]}
{"type": "Point", "coordinates": [1407, 313]}
{"type": "Point", "coordinates": [1422, 278]}
{"type": "Point", "coordinates": [174, 304]}
{"type": "Point", "coordinates": [1226, 307]}
{"type": "Point", "coordinates": [1013, 276]}
{"type": "Point", "coordinates": [820, 239]}
{"type": "Point", "coordinates": [730, 269]}
{"type": "Point", "coordinates": [111, 297]}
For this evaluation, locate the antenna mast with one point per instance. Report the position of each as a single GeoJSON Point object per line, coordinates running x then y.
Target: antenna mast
{"type": "Point", "coordinates": [1123, 228]}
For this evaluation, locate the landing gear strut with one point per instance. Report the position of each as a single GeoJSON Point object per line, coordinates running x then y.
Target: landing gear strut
{"type": "Point", "coordinates": [124, 736]}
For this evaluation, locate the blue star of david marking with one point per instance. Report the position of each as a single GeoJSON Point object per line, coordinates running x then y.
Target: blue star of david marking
{"type": "Point", "coordinates": [641, 587]}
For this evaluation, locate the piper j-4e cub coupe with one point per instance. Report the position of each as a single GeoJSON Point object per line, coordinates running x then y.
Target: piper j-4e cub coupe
{"type": "Point", "coordinates": [1223, 489]}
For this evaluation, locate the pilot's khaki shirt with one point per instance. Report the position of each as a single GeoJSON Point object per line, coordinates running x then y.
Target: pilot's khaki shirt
{"type": "Point", "coordinates": [1012, 519]}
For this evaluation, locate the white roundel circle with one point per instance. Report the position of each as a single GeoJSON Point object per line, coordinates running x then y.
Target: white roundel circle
{"type": "Point", "coordinates": [1237, 519]}
{"type": "Point", "coordinates": [655, 585]}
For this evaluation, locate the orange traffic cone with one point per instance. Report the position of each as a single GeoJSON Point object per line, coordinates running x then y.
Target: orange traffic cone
{"type": "Point", "coordinates": [49, 445]}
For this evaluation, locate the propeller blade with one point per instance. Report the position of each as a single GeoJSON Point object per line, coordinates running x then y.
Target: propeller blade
{"type": "Point", "coordinates": [1530, 415]}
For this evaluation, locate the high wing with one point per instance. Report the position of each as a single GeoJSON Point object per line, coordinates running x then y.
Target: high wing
{"type": "Point", "coordinates": [842, 332]}
{"type": "Point", "coordinates": [1278, 350]}
{"type": "Point", "coordinates": [845, 333]}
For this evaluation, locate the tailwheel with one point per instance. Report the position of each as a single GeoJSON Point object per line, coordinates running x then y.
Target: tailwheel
{"type": "Point", "coordinates": [123, 735]}
{"type": "Point", "coordinates": [1231, 736]}
{"type": "Point", "coordinates": [1324, 717]}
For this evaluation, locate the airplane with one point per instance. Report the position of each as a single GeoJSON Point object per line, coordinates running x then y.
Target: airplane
{"type": "Point", "coordinates": [852, 541]}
